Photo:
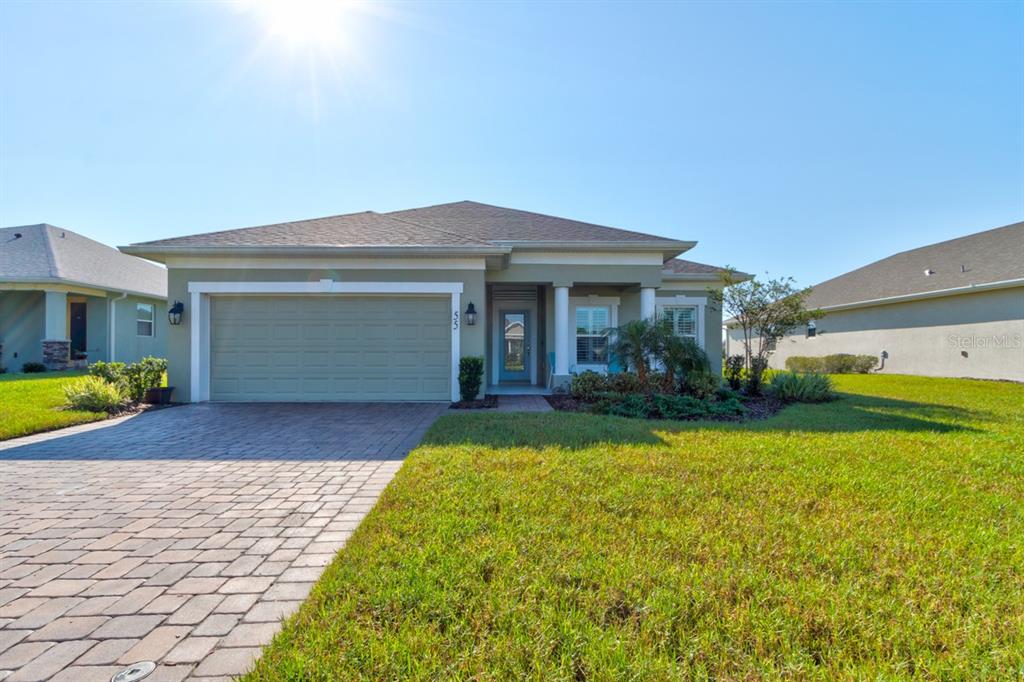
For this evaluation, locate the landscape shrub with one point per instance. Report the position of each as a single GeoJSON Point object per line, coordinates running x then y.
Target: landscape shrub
{"type": "Point", "coordinates": [33, 367]}
{"type": "Point", "coordinates": [702, 385]}
{"type": "Point", "coordinates": [625, 382]}
{"type": "Point", "coordinates": [111, 372]}
{"type": "Point", "coordinates": [734, 365]}
{"type": "Point", "coordinates": [666, 406]}
{"type": "Point", "coordinates": [131, 379]}
{"type": "Point", "coordinates": [801, 388]}
{"type": "Point", "coordinates": [755, 376]}
{"type": "Point", "coordinates": [471, 375]}
{"type": "Point", "coordinates": [633, 405]}
{"type": "Point", "coordinates": [94, 394]}
{"type": "Point", "coordinates": [838, 363]}
{"type": "Point", "coordinates": [680, 407]}
{"type": "Point", "coordinates": [587, 385]}
{"type": "Point", "coordinates": [730, 407]}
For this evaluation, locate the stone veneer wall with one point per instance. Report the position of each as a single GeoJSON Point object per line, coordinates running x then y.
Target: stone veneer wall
{"type": "Point", "coordinates": [56, 354]}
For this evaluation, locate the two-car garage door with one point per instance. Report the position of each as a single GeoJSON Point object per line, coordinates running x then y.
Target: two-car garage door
{"type": "Point", "coordinates": [292, 348]}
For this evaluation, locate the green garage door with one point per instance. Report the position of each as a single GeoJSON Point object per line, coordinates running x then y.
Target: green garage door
{"type": "Point", "coordinates": [289, 348]}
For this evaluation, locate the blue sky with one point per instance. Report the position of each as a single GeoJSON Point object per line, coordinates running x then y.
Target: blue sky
{"type": "Point", "coordinates": [799, 138]}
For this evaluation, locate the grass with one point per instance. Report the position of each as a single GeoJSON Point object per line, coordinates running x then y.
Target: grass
{"type": "Point", "coordinates": [878, 536]}
{"type": "Point", "coordinates": [29, 403]}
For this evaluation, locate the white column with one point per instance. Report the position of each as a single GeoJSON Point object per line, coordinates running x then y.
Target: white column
{"type": "Point", "coordinates": [195, 347]}
{"type": "Point", "coordinates": [456, 338]}
{"type": "Point", "coordinates": [561, 330]}
{"type": "Point", "coordinates": [56, 316]}
{"type": "Point", "coordinates": [646, 303]}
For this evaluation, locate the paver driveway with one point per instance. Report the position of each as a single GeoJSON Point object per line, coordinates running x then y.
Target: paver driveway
{"type": "Point", "coordinates": [183, 535]}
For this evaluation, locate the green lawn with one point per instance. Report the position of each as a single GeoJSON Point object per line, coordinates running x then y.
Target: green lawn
{"type": "Point", "coordinates": [880, 536]}
{"type": "Point", "coordinates": [29, 404]}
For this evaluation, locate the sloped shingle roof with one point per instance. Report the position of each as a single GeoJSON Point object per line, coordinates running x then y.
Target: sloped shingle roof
{"type": "Point", "coordinates": [982, 258]}
{"type": "Point", "coordinates": [354, 229]}
{"type": "Point", "coordinates": [498, 224]}
{"type": "Point", "coordinates": [44, 253]}
{"type": "Point", "coordinates": [461, 224]}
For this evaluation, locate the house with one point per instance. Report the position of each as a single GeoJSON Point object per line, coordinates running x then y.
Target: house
{"type": "Point", "coordinates": [64, 296]}
{"type": "Point", "coordinates": [381, 306]}
{"type": "Point", "coordinates": [952, 309]}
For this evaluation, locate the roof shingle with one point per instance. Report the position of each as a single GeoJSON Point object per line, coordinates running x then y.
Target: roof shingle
{"type": "Point", "coordinates": [45, 253]}
{"type": "Point", "coordinates": [995, 255]}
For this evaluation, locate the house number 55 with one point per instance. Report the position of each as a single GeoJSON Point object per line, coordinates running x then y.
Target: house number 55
{"type": "Point", "coordinates": [455, 319]}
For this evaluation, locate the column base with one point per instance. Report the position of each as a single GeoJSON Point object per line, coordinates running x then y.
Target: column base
{"type": "Point", "coordinates": [561, 383]}
{"type": "Point", "coordinates": [56, 354]}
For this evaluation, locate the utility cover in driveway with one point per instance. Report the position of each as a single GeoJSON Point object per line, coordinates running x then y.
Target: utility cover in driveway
{"type": "Point", "coordinates": [328, 348]}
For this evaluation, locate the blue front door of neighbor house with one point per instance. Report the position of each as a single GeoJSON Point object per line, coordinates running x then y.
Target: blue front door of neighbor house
{"type": "Point", "coordinates": [515, 345]}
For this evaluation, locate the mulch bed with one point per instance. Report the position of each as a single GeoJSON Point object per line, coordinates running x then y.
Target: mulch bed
{"type": "Point", "coordinates": [489, 402]}
{"type": "Point", "coordinates": [760, 407]}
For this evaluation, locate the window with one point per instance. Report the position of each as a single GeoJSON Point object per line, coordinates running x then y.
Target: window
{"type": "Point", "coordinates": [144, 319]}
{"type": "Point", "coordinates": [683, 320]}
{"type": "Point", "coordinates": [591, 342]}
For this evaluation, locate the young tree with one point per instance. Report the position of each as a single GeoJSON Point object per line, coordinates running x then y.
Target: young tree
{"type": "Point", "coordinates": [764, 310]}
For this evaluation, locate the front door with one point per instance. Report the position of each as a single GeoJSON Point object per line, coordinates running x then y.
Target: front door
{"type": "Point", "coordinates": [515, 345]}
{"type": "Point", "coordinates": [77, 326]}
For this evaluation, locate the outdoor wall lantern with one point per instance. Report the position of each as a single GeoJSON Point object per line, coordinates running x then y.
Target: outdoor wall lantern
{"type": "Point", "coordinates": [470, 314]}
{"type": "Point", "coordinates": [175, 311]}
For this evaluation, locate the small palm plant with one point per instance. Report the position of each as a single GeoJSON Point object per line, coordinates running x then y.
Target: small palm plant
{"type": "Point", "coordinates": [681, 356]}
{"type": "Point", "coordinates": [635, 344]}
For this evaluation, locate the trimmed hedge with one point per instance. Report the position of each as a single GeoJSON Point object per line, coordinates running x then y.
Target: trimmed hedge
{"type": "Point", "coordinates": [471, 375]}
{"type": "Point", "coordinates": [840, 363]}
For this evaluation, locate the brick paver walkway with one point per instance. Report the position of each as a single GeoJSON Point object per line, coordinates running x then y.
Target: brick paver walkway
{"type": "Point", "coordinates": [181, 536]}
{"type": "Point", "coordinates": [523, 403]}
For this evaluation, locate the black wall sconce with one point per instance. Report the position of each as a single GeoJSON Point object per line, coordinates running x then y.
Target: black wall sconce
{"type": "Point", "coordinates": [471, 314]}
{"type": "Point", "coordinates": [174, 312]}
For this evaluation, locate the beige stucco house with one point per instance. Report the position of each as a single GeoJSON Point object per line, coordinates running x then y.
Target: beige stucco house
{"type": "Point", "coordinates": [64, 296]}
{"type": "Point", "coordinates": [952, 309]}
{"type": "Point", "coordinates": [381, 306]}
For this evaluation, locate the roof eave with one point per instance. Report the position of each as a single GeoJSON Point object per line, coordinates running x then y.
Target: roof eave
{"type": "Point", "coordinates": [44, 281]}
{"type": "Point", "coordinates": [158, 253]}
{"type": "Point", "coordinates": [938, 293]}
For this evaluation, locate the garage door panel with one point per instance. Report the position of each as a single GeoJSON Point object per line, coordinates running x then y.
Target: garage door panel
{"type": "Point", "coordinates": [330, 348]}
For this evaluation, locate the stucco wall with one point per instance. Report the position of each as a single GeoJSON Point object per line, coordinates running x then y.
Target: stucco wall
{"type": "Point", "coordinates": [22, 326]}
{"type": "Point", "coordinates": [972, 335]}
{"type": "Point", "coordinates": [128, 345]}
{"type": "Point", "coordinates": [471, 340]}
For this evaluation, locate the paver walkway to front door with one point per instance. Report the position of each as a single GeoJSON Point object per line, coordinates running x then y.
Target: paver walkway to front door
{"type": "Point", "coordinates": [182, 536]}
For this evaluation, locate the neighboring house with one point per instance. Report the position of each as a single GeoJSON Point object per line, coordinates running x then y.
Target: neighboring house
{"type": "Point", "coordinates": [63, 296]}
{"type": "Point", "coordinates": [372, 306]}
{"type": "Point", "coordinates": [953, 309]}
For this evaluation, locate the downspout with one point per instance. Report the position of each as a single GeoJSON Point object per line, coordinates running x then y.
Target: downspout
{"type": "Point", "coordinates": [113, 325]}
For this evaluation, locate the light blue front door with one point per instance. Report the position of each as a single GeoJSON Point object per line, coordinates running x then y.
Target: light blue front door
{"type": "Point", "coordinates": [515, 345]}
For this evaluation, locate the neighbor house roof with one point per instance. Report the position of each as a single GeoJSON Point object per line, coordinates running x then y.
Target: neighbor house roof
{"type": "Point", "coordinates": [992, 257]}
{"type": "Point", "coordinates": [48, 254]}
{"type": "Point", "coordinates": [457, 227]}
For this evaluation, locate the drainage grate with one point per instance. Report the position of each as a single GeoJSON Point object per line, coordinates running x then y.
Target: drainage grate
{"type": "Point", "coordinates": [136, 671]}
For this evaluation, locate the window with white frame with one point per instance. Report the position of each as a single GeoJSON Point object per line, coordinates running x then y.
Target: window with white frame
{"type": "Point", "coordinates": [591, 341]}
{"type": "Point", "coordinates": [144, 317]}
{"type": "Point", "coordinates": [682, 319]}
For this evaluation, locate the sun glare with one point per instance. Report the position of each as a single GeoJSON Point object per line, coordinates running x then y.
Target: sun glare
{"type": "Point", "coordinates": [316, 24]}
